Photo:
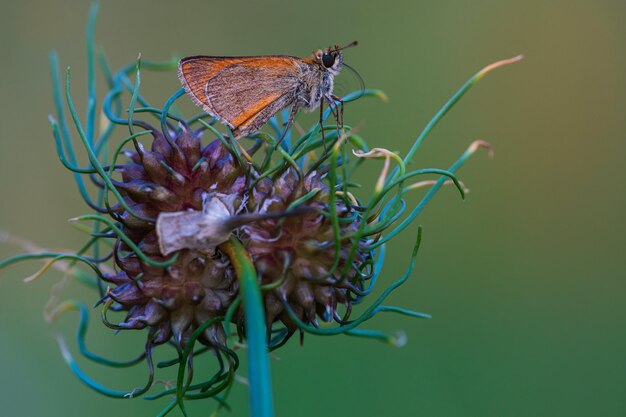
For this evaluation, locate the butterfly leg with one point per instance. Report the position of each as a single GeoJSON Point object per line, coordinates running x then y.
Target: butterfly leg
{"type": "Point", "coordinates": [335, 110]}
{"type": "Point", "coordinates": [322, 122]}
{"type": "Point", "coordinates": [292, 114]}
{"type": "Point", "coordinates": [340, 118]}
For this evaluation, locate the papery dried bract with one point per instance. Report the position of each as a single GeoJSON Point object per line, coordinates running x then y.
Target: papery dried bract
{"type": "Point", "coordinates": [201, 230]}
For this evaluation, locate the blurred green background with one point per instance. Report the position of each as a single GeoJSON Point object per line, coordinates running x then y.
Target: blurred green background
{"type": "Point", "coordinates": [525, 279]}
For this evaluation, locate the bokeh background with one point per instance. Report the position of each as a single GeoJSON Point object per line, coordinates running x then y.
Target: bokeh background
{"type": "Point", "coordinates": [525, 280]}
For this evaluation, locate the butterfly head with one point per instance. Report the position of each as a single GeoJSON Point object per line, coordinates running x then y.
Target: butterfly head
{"type": "Point", "coordinates": [331, 58]}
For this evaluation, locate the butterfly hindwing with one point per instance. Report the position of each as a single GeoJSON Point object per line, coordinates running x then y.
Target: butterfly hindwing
{"type": "Point", "coordinates": [242, 92]}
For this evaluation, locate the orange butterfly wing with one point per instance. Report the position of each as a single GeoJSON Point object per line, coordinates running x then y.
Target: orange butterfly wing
{"type": "Point", "coordinates": [243, 92]}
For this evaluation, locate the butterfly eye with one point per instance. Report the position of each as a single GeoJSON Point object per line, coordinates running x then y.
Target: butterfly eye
{"type": "Point", "coordinates": [328, 60]}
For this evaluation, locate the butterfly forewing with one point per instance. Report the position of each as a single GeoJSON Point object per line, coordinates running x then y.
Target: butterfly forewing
{"type": "Point", "coordinates": [241, 91]}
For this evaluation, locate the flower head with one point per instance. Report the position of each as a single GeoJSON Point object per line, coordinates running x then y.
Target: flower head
{"type": "Point", "coordinates": [165, 191]}
{"type": "Point", "coordinates": [304, 260]}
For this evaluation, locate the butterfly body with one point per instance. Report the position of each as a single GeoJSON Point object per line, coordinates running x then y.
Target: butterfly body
{"type": "Point", "coordinates": [245, 92]}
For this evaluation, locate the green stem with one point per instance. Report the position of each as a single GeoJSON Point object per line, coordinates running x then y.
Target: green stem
{"type": "Point", "coordinates": [449, 104]}
{"type": "Point", "coordinates": [261, 402]}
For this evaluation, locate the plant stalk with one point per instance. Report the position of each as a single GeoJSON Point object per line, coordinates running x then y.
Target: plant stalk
{"type": "Point", "coordinates": [260, 384]}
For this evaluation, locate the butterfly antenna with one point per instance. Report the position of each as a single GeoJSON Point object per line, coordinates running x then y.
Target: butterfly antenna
{"type": "Point", "coordinates": [358, 77]}
{"type": "Point", "coordinates": [350, 45]}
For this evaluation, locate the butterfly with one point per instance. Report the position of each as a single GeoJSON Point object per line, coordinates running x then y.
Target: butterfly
{"type": "Point", "coordinates": [245, 92]}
